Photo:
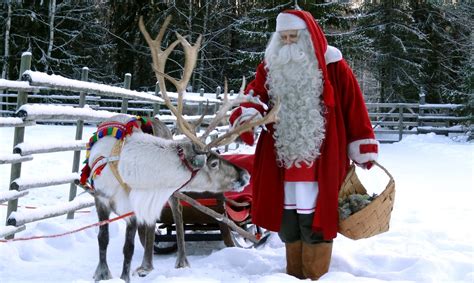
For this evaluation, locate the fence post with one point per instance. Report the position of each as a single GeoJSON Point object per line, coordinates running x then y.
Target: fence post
{"type": "Point", "coordinates": [421, 111]}
{"type": "Point", "coordinates": [19, 133]}
{"type": "Point", "coordinates": [400, 122]}
{"type": "Point", "coordinates": [126, 85]}
{"type": "Point", "coordinates": [218, 93]}
{"type": "Point", "coordinates": [156, 105]}
{"type": "Point", "coordinates": [201, 94]}
{"type": "Point", "coordinates": [201, 110]}
{"type": "Point", "coordinates": [79, 131]}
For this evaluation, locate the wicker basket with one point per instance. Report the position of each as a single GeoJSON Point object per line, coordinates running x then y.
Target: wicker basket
{"type": "Point", "coordinates": [372, 219]}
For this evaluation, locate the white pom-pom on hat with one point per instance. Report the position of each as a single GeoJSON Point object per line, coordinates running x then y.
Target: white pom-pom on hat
{"type": "Point", "coordinates": [286, 21]}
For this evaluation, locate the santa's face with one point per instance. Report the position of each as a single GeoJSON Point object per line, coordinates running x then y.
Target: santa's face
{"type": "Point", "coordinates": [289, 36]}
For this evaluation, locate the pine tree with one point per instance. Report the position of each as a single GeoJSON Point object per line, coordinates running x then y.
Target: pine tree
{"type": "Point", "coordinates": [252, 32]}
{"type": "Point", "coordinates": [448, 29]}
{"type": "Point", "coordinates": [62, 37]}
{"type": "Point", "coordinates": [399, 50]}
{"type": "Point", "coordinates": [341, 24]}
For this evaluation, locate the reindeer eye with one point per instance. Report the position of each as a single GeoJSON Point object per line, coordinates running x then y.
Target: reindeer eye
{"type": "Point", "coordinates": [214, 163]}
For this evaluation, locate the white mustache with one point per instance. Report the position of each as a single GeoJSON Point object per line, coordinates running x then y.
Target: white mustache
{"type": "Point", "coordinates": [288, 53]}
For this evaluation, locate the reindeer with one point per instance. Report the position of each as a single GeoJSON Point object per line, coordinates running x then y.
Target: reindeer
{"type": "Point", "coordinates": [140, 172]}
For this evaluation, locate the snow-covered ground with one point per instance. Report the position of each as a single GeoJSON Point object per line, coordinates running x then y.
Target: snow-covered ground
{"type": "Point", "coordinates": [430, 239]}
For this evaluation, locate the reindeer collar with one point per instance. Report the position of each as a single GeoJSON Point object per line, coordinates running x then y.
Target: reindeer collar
{"type": "Point", "coordinates": [182, 157]}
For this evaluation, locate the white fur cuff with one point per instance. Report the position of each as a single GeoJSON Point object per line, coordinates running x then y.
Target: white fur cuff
{"type": "Point", "coordinates": [362, 151]}
{"type": "Point", "coordinates": [247, 114]}
{"type": "Point", "coordinates": [332, 55]}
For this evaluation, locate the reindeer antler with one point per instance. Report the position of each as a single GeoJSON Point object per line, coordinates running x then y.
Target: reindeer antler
{"type": "Point", "coordinates": [160, 57]}
{"type": "Point", "coordinates": [231, 135]}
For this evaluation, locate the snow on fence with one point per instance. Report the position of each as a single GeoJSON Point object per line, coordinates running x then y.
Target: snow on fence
{"type": "Point", "coordinates": [27, 114]}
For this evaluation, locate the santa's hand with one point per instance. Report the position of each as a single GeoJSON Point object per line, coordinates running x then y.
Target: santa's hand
{"type": "Point", "coordinates": [363, 152]}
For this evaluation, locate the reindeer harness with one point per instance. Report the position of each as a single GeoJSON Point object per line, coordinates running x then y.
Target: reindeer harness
{"type": "Point", "coordinates": [120, 132]}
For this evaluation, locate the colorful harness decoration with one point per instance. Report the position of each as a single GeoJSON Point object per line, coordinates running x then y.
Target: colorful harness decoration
{"type": "Point", "coordinates": [113, 129]}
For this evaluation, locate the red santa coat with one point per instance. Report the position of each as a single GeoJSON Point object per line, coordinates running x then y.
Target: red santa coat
{"type": "Point", "coordinates": [346, 121]}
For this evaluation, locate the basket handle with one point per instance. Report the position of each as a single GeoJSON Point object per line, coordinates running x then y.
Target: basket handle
{"type": "Point", "coordinates": [384, 169]}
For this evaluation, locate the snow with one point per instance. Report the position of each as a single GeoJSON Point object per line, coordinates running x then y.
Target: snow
{"type": "Point", "coordinates": [11, 121]}
{"type": "Point", "coordinates": [59, 82]}
{"type": "Point", "coordinates": [13, 158]}
{"type": "Point", "coordinates": [45, 146]}
{"type": "Point", "coordinates": [430, 237]}
{"type": "Point", "coordinates": [30, 215]}
{"type": "Point", "coordinates": [34, 110]}
{"type": "Point", "coordinates": [13, 194]}
{"type": "Point", "coordinates": [17, 85]}
{"type": "Point", "coordinates": [45, 180]}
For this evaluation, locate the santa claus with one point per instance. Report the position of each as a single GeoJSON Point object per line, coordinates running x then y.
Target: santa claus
{"type": "Point", "coordinates": [302, 159]}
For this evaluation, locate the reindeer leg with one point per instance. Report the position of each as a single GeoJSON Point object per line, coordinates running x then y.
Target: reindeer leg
{"type": "Point", "coordinates": [102, 271]}
{"type": "Point", "coordinates": [181, 260]}
{"type": "Point", "coordinates": [147, 238]}
{"type": "Point", "coordinates": [128, 248]}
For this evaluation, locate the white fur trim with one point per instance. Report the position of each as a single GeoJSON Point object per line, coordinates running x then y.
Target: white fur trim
{"type": "Point", "coordinates": [301, 196]}
{"type": "Point", "coordinates": [332, 55]}
{"type": "Point", "coordinates": [286, 21]}
{"type": "Point", "coordinates": [247, 114]}
{"type": "Point", "coordinates": [361, 158]}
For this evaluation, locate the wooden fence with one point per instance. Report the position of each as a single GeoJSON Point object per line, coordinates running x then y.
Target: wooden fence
{"type": "Point", "coordinates": [391, 121]}
{"type": "Point", "coordinates": [29, 89]}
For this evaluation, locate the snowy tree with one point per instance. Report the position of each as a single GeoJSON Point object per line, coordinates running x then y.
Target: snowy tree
{"type": "Point", "coordinates": [449, 33]}
{"type": "Point", "coordinates": [340, 21]}
{"type": "Point", "coordinates": [6, 19]}
{"type": "Point", "coordinates": [59, 35]}
{"type": "Point", "coordinates": [400, 50]}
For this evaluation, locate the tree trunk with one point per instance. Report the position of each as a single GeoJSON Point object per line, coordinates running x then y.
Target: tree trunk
{"type": "Point", "coordinates": [202, 59]}
{"type": "Point", "coordinates": [6, 53]}
{"type": "Point", "coordinates": [52, 14]}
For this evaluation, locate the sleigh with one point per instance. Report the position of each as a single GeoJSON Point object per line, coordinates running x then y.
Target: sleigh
{"type": "Point", "coordinates": [199, 225]}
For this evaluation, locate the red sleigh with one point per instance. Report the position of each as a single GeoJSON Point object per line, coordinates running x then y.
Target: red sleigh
{"type": "Point", "coordinates": [200, 226]}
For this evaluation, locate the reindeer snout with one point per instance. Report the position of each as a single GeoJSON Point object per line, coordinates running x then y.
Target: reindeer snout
{"type": "Point", "coordinates": [243, 181]}
{"type": "Point", "coordinates": [244, 178]}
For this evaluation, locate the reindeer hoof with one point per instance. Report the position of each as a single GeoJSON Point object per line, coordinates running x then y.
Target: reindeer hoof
{"type": "Point", "coordinates": [102, 272]}
{"type": "Point", "coordinates": [125, 278]}
{"type": "Point", "coordinates": [182, 263]}
{"type": "Point", "coordinates": [143, 271]}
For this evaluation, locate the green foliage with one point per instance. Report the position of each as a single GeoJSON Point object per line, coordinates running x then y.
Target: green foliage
{"type": "Point", "coordinates": [399, 50]}
{"type": "Point", "coordinates": [252, 31]}
{"type": "Point", "coordinates": [448, 31]}
{"type": "Point", "coordinates": [79, 38]}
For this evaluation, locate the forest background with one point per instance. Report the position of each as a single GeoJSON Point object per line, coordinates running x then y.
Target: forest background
{"type": "Point", "coordinates": [399, 50]}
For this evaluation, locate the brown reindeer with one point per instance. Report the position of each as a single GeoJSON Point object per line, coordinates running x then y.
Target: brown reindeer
{"type": "Point", "coordinates": [142, 171]}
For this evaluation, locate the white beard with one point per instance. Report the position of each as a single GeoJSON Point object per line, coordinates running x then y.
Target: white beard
{"type": "Point", "coordinates": [295, 77]}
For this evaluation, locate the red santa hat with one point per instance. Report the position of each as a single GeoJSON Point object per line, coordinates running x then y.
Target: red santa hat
{"type": "Point", "coordinates": [285, 21]}
{"type": "Point", "coordinates": [320, 45]}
